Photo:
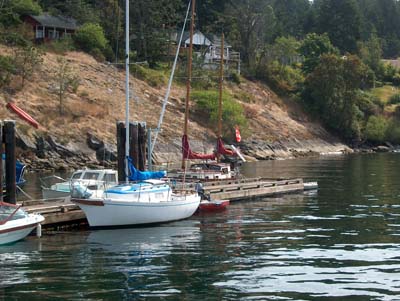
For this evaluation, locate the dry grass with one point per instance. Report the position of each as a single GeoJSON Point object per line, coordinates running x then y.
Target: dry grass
{"type": "Point", "coordinates": [100, 102]}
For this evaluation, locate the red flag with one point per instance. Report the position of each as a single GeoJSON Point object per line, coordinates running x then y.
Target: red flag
{"type": "Point", "coordinates": [237, 134]}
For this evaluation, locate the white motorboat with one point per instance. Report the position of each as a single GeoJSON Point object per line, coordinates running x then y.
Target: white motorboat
{"type": "Point", "coordinates": [94, 180]}
{"type": "Point", "coordinates": [144, 202]}
{"type": "Point", "coordinates": [15, 223]}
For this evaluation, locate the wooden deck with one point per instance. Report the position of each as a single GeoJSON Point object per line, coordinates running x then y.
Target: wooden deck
{"type": "Point", "coordinates": [59, 212]}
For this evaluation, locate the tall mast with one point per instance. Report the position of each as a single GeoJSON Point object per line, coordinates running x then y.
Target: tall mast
{"type": "Point", "coordinates": [126, 89]}
{"type": "Point", "coordinates": [221, 79]}
{"type": "Point", "coordinates": [189, 78]}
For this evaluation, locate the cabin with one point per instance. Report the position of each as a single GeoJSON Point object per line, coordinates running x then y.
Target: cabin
{"type": "Point", "coordinates": [209, 47]}
{"type": "Point", "coordinates": [46, 27]}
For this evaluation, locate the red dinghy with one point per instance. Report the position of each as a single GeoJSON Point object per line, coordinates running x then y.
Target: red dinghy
{"type": "Point", "coordinates": [21, 113]}
{"type": "Point", "coordinates": [213, 206]}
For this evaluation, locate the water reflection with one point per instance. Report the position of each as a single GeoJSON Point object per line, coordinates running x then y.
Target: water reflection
{"type": "Point", "coordinates": [340, 243]}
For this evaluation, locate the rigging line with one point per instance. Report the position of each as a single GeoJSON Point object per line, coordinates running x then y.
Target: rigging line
{"type": "Point", "coordinates": [170, 82]}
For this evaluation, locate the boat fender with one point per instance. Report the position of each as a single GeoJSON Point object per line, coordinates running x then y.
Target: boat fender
{"type": "Point", "coordinates": [80, 191]}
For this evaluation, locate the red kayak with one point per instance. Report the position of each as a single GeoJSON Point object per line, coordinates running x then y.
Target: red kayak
{"type": "Point", "coordinates": [21, 113]}
{"type": "Point", "coordinates": [213, 206]}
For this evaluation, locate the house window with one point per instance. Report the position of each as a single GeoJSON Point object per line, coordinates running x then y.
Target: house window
{"type": "Point", "coordinates": [54, 34]}
{"type": "Point", "coordinates": [39, 34]}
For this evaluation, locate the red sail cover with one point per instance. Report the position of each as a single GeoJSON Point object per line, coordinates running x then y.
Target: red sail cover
{"type": "Point", "coordinates": [189, 154]}
{"type": "Point", "coordinates": [222, 150]}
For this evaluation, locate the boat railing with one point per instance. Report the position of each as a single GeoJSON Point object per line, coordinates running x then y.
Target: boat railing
{"type": "Point", "coordinates": [47, 182]}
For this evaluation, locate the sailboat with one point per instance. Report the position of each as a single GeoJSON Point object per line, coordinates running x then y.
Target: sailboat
{"type": "Point", "coordinates": [147, 199]}
{"type": "Point", "coordinates": [210, 170]}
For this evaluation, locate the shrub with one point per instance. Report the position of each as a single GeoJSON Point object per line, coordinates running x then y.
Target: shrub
{"type": "Point", "coordinates": [90, 36]}
{"type": "Point", "coordinates": [7, 68]}
{"type": "Point", "coordinates": [60, 46]}
{"type": "Point", "coordinates": [393, 131]}
{"type": "Point", "coordinates": [396, 79]}
{"type": "Point", "coordinates": [394, 99]}
{"type": "Point", "coordinates": [376, 129]}
{"type": "Point", "coordinates": [285, 79]}
{"type": "Point", "coordinates": [97, 54]}
{"type": "Point", "coordinates": [235, 77]}
{"type": "Point", "coordinates": [152, 77]}
{"type": "Point", "coordinates": [232, 112]}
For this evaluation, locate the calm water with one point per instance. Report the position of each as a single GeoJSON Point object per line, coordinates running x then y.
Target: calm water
{"type": "Point", "coordinates": [341, 243]}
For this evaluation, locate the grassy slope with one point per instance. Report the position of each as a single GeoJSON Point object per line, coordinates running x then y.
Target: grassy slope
{"type": "Point", "coordinates": [100, 102]}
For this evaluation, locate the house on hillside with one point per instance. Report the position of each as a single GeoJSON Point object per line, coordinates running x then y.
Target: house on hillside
{"type": "Point", "coordinates": [209, 47]}
{"type": "Point", "coordinates": [47, 27]}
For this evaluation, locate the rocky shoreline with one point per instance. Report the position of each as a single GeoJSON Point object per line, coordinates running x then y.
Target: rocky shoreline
{"type": "Point", "coordinates": [44, 153]}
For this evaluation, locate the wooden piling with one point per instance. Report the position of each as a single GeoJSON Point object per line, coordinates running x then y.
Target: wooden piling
{"type": "Point", "coordinates": [9, 141]}
{"type": "Point", "coordinates": [142, 145]}
{"type": "Point", "coordinates": [121, 151]}
{"type": "Point", "coordinates": [133, 143]}
{"type": "Point", "coordinates": [1, 161]}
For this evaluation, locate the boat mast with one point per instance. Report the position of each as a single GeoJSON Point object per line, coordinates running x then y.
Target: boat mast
{"type": "Point", "coordinates": [126, 90]}
{"type": "Point", "coordinates": [189, 78]}
{"type": "Point", "coordinates": [221, 79]}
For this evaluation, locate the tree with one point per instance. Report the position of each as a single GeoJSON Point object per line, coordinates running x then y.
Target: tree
{"type": "Point", "coordinates": [65, 79]}
{"type": "Point", "coordinates": [285, 50]}
{"type": "Point", "coordinates": [90, 36]}
{"type": "Point", "coordinates": [371, 54]}
{"type": "Point", "coordinates": [341, 20]}
{"type": "Point", "coordinates": [11, 10]}
{"type": "Point", "coordinates": [27, 60]}
{"type": "Point", "coordinates": [254, 21]}
{"type": "Point", "coordinates": [291, 17]}
{"type": "Point", "coordinates": [333, 93]}
{"type": "Point", "coordinates": [313, 47]}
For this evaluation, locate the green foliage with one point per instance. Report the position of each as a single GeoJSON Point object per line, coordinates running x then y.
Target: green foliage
{"type": "Point", "coordinates": [333, 93]}
{"type": "Point", "coordinates": [232, 112]}
{"type": "Point", "coordinates": [341, 20]}
{"type": "Point", "coordinates": [90, 36]}
{"type": "Point", "coordinates": [65, 79]}
{"type": "Point", "coordinates": [235, 77]}
{"type": "Point", "coordinates": [19, 35]}
{"type": "Point", "coordinates": [60, 46]}
{"type": "Point", "coordinates": [7, 68]}
{"type": "Point", "coordinates": [12, 10]}
{"type": "Point", "coordinates": [395, 99]}
{"type": "Point", "coordinates": [370, 53]}
{"type": "Point", "coordinates": [285, 79]}
{"type": "Point", "coordinates": [396, 79]}
{"type": "Point", "coordinates": [376, 128]}
{"type": "Point", "coordinates": [27, 60]}
{"type": "Point", "coordinates": [153, 77]}
{"type": "Point", "coordinates": [285, 50]}
{"type": "Point", "coordinates": [393, 131]}
{"type": "Point", "coordinates": [312, 48]}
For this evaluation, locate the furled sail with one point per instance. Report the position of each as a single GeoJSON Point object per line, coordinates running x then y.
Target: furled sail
{"type": "Point", "coordinates": [137, 175]}
{"type": "Point", "coordinates": [189, 154]}
{"type": "Point", "coordinates": [222, 150]}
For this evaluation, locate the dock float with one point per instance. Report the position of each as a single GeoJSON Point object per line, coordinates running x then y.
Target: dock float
{"type": "Point", "coordinates": [243, 189]}
{"type": "Point", "coordinates": [62, 212]}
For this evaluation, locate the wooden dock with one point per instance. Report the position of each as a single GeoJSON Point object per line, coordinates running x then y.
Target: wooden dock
{"type": "Point", "coordinates": [59, 212]}
{"type": "Point", "coordinates": [245, 189]}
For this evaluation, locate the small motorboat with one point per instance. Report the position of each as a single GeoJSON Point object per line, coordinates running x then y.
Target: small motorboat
{"type": "Point", "coordinates": [15, 223]}
{"type": "Point", "coordinates": [95, 180]}
{"type": "Point", "coordinates": [213, 205]}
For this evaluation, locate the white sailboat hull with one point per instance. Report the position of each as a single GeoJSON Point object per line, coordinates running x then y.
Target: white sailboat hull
{"type": "Point", "coordinates": [15, 230]}
{"type": "Point", "coordinates": [111, 212]}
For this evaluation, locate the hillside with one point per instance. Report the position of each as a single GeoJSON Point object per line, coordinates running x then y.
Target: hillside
{"type": "Point", "coordinates": [277, 127]}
